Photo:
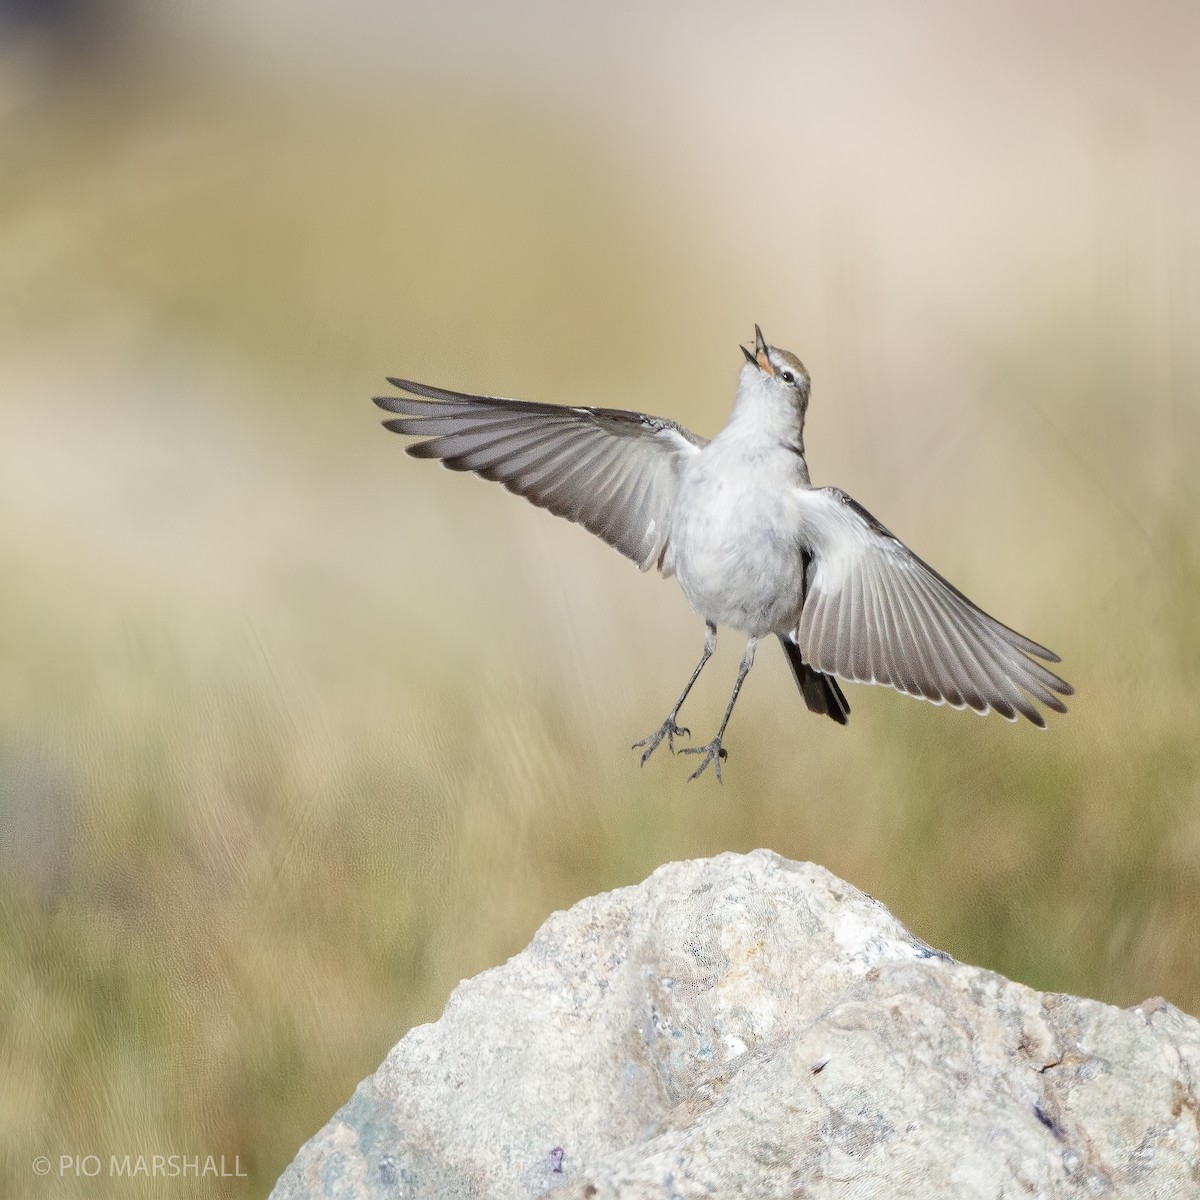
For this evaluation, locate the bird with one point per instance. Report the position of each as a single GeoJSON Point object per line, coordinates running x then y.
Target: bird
{"type": "Point", "coordinates": [753, 544]}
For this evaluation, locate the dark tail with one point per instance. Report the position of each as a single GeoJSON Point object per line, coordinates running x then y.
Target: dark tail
{"type": "Point", "coordinates": [821, 692]}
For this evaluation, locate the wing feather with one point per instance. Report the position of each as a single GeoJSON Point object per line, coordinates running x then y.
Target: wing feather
{"type": "Point", "coordinates": [614, 471]}
{"type": "Point", "coordinates": [876, 613]}
{"type": "Point", "coordinates": [896, 650]}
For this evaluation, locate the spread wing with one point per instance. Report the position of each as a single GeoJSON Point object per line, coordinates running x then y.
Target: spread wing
{"type": "Point", "coordinates": [875, 613]}
{"type": "Point", "coordinates": [612, 471]}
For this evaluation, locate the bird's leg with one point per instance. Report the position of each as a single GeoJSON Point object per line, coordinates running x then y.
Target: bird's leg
{"type": "Point", "coordinates": [714, 751]}
{"type": "Point", "coordinates": [668, 729]}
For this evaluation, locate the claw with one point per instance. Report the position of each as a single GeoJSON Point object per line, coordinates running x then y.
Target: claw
{"type": "Point", "coordinates": [713, 753]}
{"type": "Point", "coordinates": [669, 730]}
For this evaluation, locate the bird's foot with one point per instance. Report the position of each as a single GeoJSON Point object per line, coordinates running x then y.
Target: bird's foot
{"type": "Point", "coordinates": [669, 730]}
{"type": "Point", "coordinates": [713, 753]}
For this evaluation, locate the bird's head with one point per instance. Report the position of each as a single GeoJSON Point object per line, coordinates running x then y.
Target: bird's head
{"type": "Point", "coordinates": [778, 376]}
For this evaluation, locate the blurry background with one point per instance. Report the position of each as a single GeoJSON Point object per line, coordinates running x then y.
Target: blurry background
{"type": "Point", "coordinates": [296, 732]}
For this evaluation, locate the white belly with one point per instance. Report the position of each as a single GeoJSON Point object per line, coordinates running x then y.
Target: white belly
{"type": "Point", "coordinates": [735, 549]}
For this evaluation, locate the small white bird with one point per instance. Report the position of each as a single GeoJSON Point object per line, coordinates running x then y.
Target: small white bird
{"type": "Point", "coordinates": [753, 544]}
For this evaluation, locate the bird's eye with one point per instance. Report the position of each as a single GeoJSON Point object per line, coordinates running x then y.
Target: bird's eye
{"type": "Point", "coordinates": [787, 377]}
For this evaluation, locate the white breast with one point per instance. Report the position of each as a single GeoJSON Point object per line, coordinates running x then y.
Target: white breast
{"type": "Point", "coordinates": [735, 544]}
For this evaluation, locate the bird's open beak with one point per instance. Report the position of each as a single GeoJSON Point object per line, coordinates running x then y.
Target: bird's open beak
{"type": "Point", "coordinates": [759, 356]}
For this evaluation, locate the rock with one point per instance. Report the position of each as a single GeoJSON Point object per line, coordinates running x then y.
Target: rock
{"type": "Point", "coordinates": [750, 1026]}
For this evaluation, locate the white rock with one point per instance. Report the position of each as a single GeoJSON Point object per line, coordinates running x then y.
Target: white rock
{"type": "Point", "coordinates": [750, 1026]}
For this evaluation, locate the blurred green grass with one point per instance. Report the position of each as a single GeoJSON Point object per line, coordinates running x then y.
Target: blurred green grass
{"type": "Point", "coordinates": [296, 733]}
